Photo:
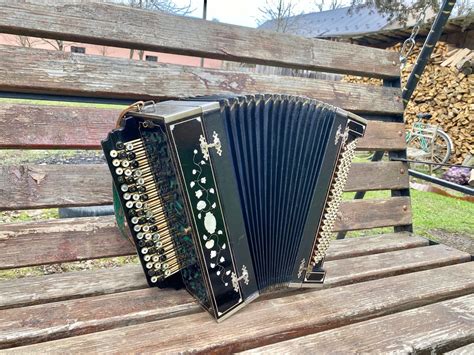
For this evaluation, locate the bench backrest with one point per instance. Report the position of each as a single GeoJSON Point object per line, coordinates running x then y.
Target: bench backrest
{"type": "Point", "coordinates": [34, 126]}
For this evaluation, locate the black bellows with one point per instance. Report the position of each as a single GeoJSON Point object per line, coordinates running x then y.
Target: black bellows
{"type": "Point", "coordinates": [231, 196]}
{"type": "Point", "coordinates": [277, 148]}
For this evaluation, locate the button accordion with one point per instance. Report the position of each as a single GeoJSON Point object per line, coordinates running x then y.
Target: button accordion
{"type": "Point", "coordinates": [231, 197]}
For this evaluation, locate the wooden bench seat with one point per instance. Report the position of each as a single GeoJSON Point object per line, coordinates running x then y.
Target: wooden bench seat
{"type": "Point", "coordinates": [385, 292]}
{"type": "Point", "coordinates": [71, 304]}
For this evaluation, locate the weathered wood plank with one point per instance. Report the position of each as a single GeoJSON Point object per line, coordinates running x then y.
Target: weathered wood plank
{"type": "Point", "coordinates": [353, 247]}
{"type": "Point", "coordinates": [56, 72]}
{"type": "Point", "coordinates": [57, 287]}
{"type": "Point", "coordinates": [366, 214]}
{"type": "Point", "coordinates": [17, 293]}
{"type": "Point", "coordinates": [92, 314]}
{"type": "Point", "coordinates": [372, 176]}
{"type": "Point", "coordinates": [42, 186]}
{"type": "Point", "coordinates": [368, 267]}
{"type": "Point", "coordinates": [430, 329]}
{"type": "Point", "coordinates": [288, 316]}
{"type": "Point", "coordinates": [79, 239]}
{"type": "Point", "coordinates": [61, 240]}
{"type": "Point", "coordinates": [29, 126]}
{"type": "Point", "coordinates": [387, 136]}
{"type": "Point", "coordinates": [132, 28]}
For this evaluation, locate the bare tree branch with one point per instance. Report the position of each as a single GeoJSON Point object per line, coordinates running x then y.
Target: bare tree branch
{"type": "Point", "coordinates": [281, 12]}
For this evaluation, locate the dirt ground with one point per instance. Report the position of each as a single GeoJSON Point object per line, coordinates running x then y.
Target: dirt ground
{"type": "Point", "coordinates": [460, 241]}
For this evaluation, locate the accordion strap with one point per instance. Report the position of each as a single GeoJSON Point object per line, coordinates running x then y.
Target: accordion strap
{"type": "Point", "coordinates": [135, 107]}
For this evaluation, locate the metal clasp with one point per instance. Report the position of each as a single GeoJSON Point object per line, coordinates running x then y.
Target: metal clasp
{"type": "Point", "coordinates": [244, 277]}
{"type": "Point", "coordinates": [205, 146]}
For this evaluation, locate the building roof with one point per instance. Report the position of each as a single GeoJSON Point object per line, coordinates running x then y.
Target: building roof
{"type": "Point", "coordinates": [334, 23]}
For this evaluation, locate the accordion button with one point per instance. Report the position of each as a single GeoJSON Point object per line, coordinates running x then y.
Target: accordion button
{"type": "Point", "coordinates": [119, 171]}
{"type": "Point", "coordinates": [146, 228]}
{"type": "Point", "coordinates": [167, 273]}
{"type": "Point", "coordinates": [128, 172]}
{"type": "Point", "coordinates": [119, 145]}
{"type": "Point", "coordinates": [125, 163]}
{"type": "Point", "coordinates": [140, 235]}
{"type": "Point", "coordinates": [137, 228]}
{"type": "Point", "coordinates": [147, 257]}
{"type": "Point", "coordinates": [134, 164]}
{"type": "Point", "coordinates": [129, 146]}
{"type": "Point", "coordinates": [144, 250]}
{"type": "Point", "coordinates": [116, 162]}
{"type": "Point", "coordinates": [149, 265]}
{"type": "Point", "coordinates": [131, 155]}
{"type": "Point", "coordinates": [126, 196]}
{"type": "Point", "coordinates": [135, 220]}
{"type": "Point", "coordinates": [113, 153]}
{"type": "Point", "coordinates": [155, 258]}
{"type": "Point", "coordinates": [154, 279]}
{"type": "Point", "coordinates": [129, 204]}
{"type": "Point", "coordinates": [124, 188]}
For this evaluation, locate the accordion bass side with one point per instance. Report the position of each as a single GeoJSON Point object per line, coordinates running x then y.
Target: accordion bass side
{"type": "Point", "coordinates": [231, 196]}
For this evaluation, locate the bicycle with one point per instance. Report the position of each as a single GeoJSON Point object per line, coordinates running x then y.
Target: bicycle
{"type": "Point", "coordinates": [428, 143]}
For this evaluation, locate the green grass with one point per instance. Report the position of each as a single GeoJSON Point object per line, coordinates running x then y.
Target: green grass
{"type": "Point", "coordinates": [430, 211]}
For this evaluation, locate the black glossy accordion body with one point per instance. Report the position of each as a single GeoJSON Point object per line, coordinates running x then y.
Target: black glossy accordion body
{"type": "Point", "coordinates": [231, 196]}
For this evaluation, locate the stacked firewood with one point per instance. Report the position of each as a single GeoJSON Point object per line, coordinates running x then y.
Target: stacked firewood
{"type": "Point", "coordinates": [446, 91]}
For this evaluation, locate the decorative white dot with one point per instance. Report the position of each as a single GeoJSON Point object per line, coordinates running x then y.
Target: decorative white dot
{"type": "Point", "coordinates": [227, 272]}
{"type": "Point", "coordinates": [218, 273]}
{"type": "Point", "coordinates": [195, 151]}
{"type": "Point", "coordinates": [198, 193]}
{"type": "Point", "coordinates": [211, 190]}
{"type": "Point", "coordinates": [219, 232]}
{"type": "Point", "coordinates": [213, 265]}
{"type": "Point", "coordinates": [210, 223]}
{"type": "Point", "coordinates": [214, 205]}
{"type": "Point", "coordinates": [209, 244]}
{"type": "Point", "coordinates": [226, 284]}
{"type": "Point", "coordinates": [224, 246]}
{"type": "Point", "coordinates": [201, 205]}
{"type": "Point", "coordinates": [203, 180]}
{"type": "Point", "coordinates": [222, 259]}
{"type": "Point", "coordinates": [213, 254]}
{"type": "Point", "coordinates": [194, 171]}
{"type": "Point", "coordinates": [192, 184]}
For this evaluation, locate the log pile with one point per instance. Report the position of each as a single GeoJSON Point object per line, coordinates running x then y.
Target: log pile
{"type": "Point", "coordinates": [446, 91]}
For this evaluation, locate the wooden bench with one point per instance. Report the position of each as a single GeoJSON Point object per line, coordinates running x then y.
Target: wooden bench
{"type": "Point", "coordinates": [390, 292]}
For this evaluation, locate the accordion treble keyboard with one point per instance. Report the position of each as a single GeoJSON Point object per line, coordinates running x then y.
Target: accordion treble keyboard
{"type": "Point", "coordinates": [147, 186]}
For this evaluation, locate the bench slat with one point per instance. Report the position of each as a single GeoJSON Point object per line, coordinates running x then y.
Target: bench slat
{"type": "Point", "coordinates": [429, 329]}
{"type": "Point", "coordinates": [56, 72]}
{"type": "Point", "coordinates": [42, 186]}
{"type": "Point", "coordinates": [61, 240]}
{"type": "Point", "coordinates": [366, 214]}
{"type": "Point", "coordinates": [397, 262]}
{"type": "Point", "coordinates": [30, 126]}
{"type": "Point", "coordinates": [50, 288]}
{"type": "Point", "coordinates": [288, 316]}
{"type": "Point", "coordinates": [161, 32]}
{"type": "Point", "coordinates": [80, 239]}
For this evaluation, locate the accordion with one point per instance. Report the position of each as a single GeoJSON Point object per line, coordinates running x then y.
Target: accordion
{"type": "Point", "coordinates": [231, 196]}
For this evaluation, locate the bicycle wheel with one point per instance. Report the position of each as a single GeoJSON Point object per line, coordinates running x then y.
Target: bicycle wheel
{"type": "Point", "coordinates": [442, 147]}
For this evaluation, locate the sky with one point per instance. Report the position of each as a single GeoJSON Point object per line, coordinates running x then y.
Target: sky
{"type": "Point", "coordinates": [238, 12]}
